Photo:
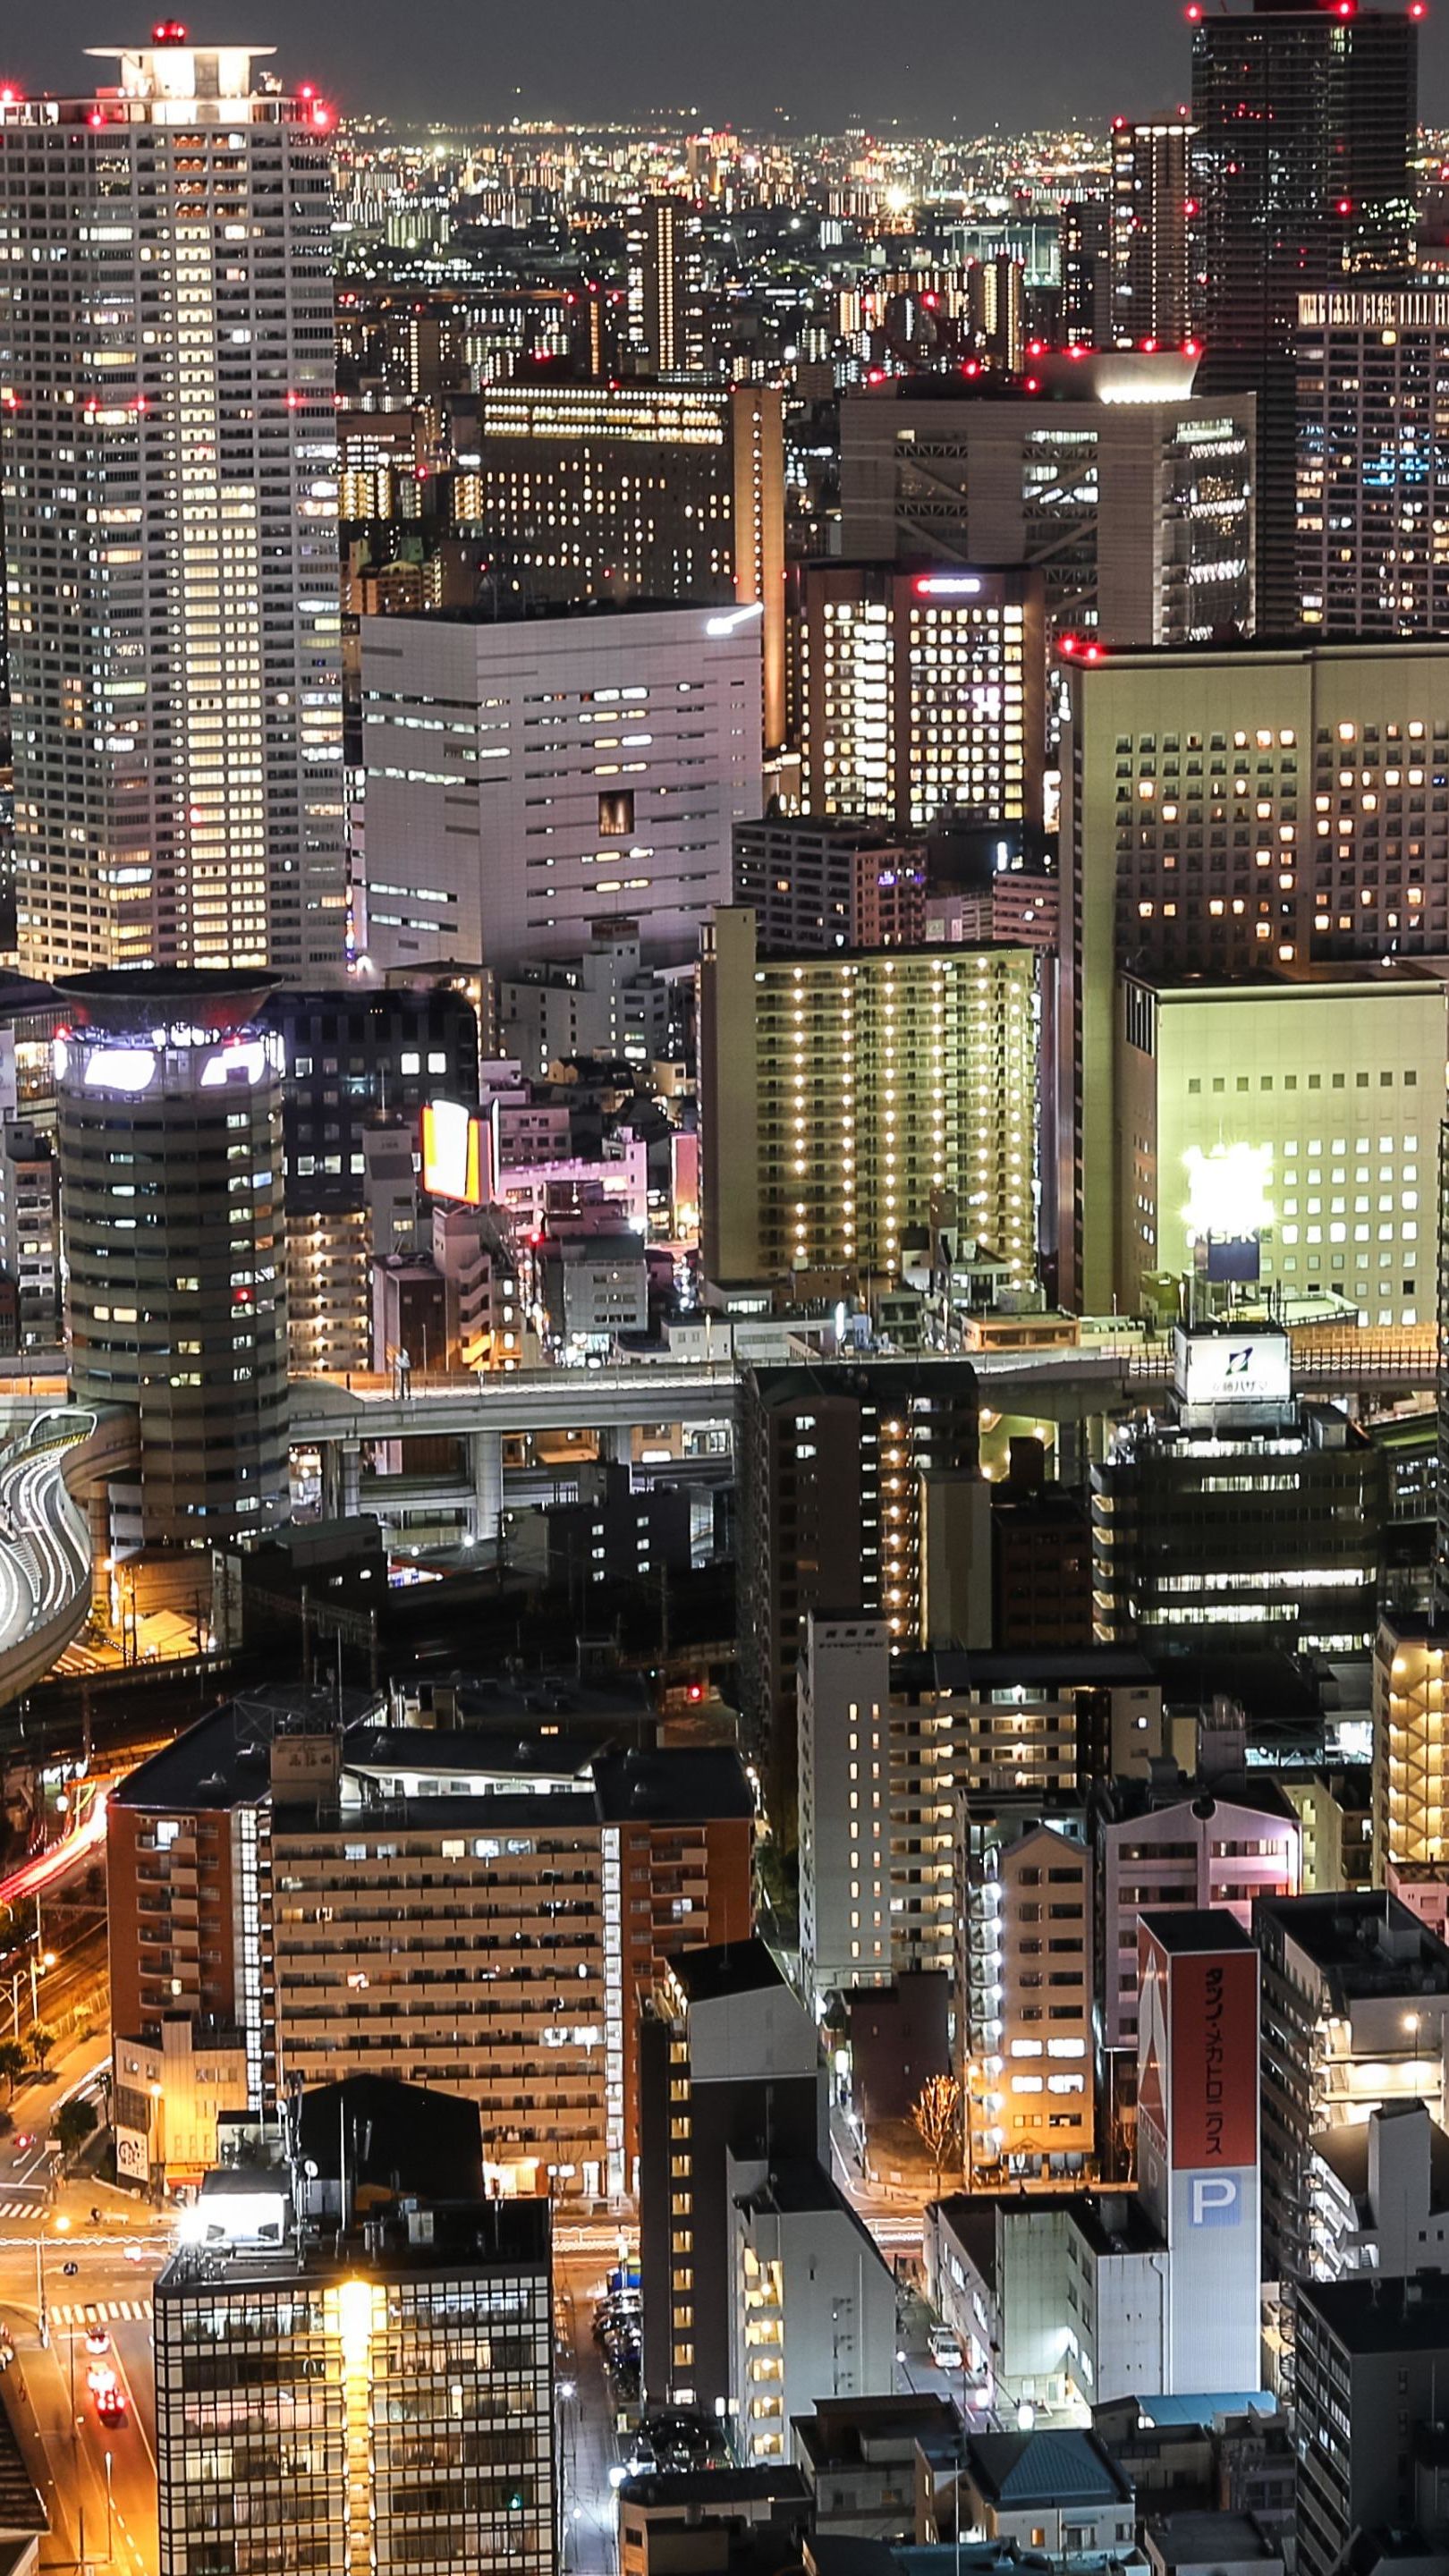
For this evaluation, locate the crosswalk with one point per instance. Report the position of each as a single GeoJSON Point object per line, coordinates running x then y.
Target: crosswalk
{"type": "Point", "coordinates": [19, 2208]}
{"type": "Point", "coordinates": [103, 2312]}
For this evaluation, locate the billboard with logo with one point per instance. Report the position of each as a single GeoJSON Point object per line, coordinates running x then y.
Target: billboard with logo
{"type": "Point", "coordinates": [1197, 2142]}
{"type": "Point", "coordinates": [1218, 1368]}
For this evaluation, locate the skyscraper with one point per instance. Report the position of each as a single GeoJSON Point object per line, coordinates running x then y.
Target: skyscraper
{"type": "Point", "coordinates": [921, 692]}
{"type": "Point", "coordinates": [1152, 209]}
{"type": "Point", "coordinates": [167, 465]}
{"type": "Point", "coordinates": [170, 1119]}
{"type": "Point", "coordinates": [665, 321]}
{"type": "Point", "coordinates": [1373, 461]}
{"type": "Point", "coordinates": [1306, 115]}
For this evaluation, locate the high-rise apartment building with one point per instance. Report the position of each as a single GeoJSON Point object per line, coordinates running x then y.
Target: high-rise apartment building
{"type": "Point", "coordinates": [1410, 1786]}
{"type": "Point", "coordinates": [1371, 2362]}
{"type": "Point", "coordinates": [1292, 1116]}
{"type": "Point", "coordinates": [354, 2351]}
{"type": "Point", "coordinates": [1084, 258]}
{"type": "Point", "coordinates": [1306, 118]}
{"type": "Point", "coordinates": [1131, 491]}
{"type": "Point", "coordinates": [890, 1744]}
{"type": "Point", "coordinates": [531, 778]}
{"type": "Point", "coordinates": [169, 1092]}
{"type": "Point", "coordinates": [1355, 2007]}
{"type": "Point", "coordinates": [1229, 808]}
{"type": "Point", "coordinates": [1152, 213]}
{"type": "Point", "coordinates": [168, 463]}
{"type": "Point", "coordinates": [1373, 477]}
{"type": "Point", "coordinates": [846, 1100]}
{"type": "Point", "coordinates": [836, 1465]}
{"type": "Point", "coordinates": [399, 1867]}
{"type": "Point", "coordinates": [817, 883]}
{"type": "Point", "coordinates": [666, 322]}
{"type": "Point", "coordinates": [614, 491]}
{"type": "Point", "coordinates": [921, 694]}
{"type": "Point", "coordinates": [1025, 2003]}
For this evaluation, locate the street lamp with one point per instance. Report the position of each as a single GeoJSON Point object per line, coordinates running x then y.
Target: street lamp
{"type": "Point", "coordinates": [110, 2552]}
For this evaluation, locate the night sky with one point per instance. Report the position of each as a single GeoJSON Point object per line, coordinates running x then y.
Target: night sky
{"type": "Point", "coordinates": [823, 62]}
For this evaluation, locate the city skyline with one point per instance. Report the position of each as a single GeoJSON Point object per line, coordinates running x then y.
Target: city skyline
{"type": "Point", "coordinates": [818, 70]}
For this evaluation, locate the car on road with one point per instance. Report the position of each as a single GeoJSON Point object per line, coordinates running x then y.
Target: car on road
{"type": "Point", "coordinates": [946, 2349]}
{"type": "Point", "coordinates": [98, 2337]}
{"type": "Point", "coordinates": [110, 2398]}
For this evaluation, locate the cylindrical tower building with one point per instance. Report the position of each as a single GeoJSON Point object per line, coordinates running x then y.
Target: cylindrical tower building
{"type": "Point", "coordinates": [169, 1094]}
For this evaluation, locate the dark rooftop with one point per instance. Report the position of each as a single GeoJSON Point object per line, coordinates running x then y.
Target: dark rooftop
{"type": "Point", "coordinates": [1196, 1927]}
{"type": "Point", "coordinates": [1366, 2316]}
{"type": "Point", "coordinates": [682, 1782]}
{"type": "Point", "coordinates": [729, 1968]}
{"type": "Point", "coordinates": [1209, 2540]}
{"type": "Point", "coordinates": [1361, 1941]}
{"type": "Point", "coordinates": [834, 2435]}
{"type": "Point", "coordinates": [402, 2138]}
{"type": "Point", "coordinates": [719, 2487]}
{"type": "Point", "coordinates": [1111, 2222]}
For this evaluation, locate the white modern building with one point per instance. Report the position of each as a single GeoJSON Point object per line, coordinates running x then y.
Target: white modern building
{"type": "Point", "coordinates": [1060, 2301]}
{"type": "Point", "coordinates": [814, 2300]}
{"type": "Point", "coordinates": [533, 777]}
{"type": "Point", "coordinates": [168, 478]}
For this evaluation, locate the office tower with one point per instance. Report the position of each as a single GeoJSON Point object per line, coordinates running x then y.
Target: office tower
{"type": "Point", "coordinates": [1197, 2138]}
{"type": "Point", "coordinates": [818, 883]}
{"type": "Point", "coordinates": [1306, 120]}
{"type": "Point", "coordinates": [1371, 2360]}
{"type": "Point", "coordinates": [666, 319]}
{"type": "Point", "coordinates": [1215, 1853]}
{"type": "Point", "coordinates": [356, 2266]}
{"type": "Point", "coordinates": [1239, 1505]}
{"type": "Point", "coordinates": [1152, 212]}
{"type": "Point", "coordinates": [357, 1067]}
{"type": "Point", "coordinates": [921, 694]}
{"type": "Point", "coordinates": [729, 2064]}
{"type": "Point", "coordinates": [1230, 809]}
{"type": "Point", "coordinates": [1372, 552]}
{"type": "Point", "coordinates": [844, 1098]}
{"type": "Point", "coordinates": [1130, 490]}
{"type": "Point", "coordinates": [585, 1871]}
{"type": "Point", "coordinates": [1025, 2008]}
{"type": "Point", "coordinates": [1085, 260]}
{"type": "Point", "coordinates": [927, 1731]}
{"type": "Point", "coordinates": [169, 1099]}
{"type": "Point", "coordinates": [834, 1464]}
{"type": "Point", "coordinates": [685, 489]}
{"type": "Point", "coordinates": [169, 464]}
{"type": "Point", "coordinates": [1280, 1130]}
{"type": "Point", "coordinates": [1355, 2002]}
{"type": "Point", "coordinates": [589, 770]}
